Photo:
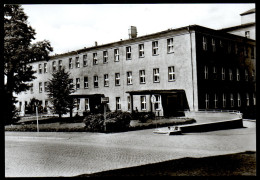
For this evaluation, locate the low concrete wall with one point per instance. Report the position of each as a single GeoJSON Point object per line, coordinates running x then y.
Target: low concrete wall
{"type": "Point", "coordinates": [212, 116]}
{"type": "Point", "coordinates": [212, 126]}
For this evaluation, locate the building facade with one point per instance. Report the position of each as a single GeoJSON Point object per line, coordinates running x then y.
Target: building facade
{"type": "Point", "coordinates": [189, 68]}
{"type": "Point", "coordinates": [247, 27]}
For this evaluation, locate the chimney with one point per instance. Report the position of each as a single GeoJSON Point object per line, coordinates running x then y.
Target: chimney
{"type": "Point", "coordinates": [95, 43]}
{"type": "Point", "coordinates": [132, 32]}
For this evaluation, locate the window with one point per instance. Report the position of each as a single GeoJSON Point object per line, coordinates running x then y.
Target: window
{"type": "Point", "coordinates": [170, 45]}
{"type": "Point", "coordinates": [155, 47]}
{"type": "Point", "coordinates": [231, 100]}
{"type": "Point", "coordinates": [246, 75]}
{"type": "Point", "coordinates": [223, 73]}
{"type": "Point", "coordinates": [171, 73]}
{"type": "Point", "coordinates": [141, 50]}
{"type": "Point", "coordinates": [128, 52]}
{"type": "Point", "coordinates": [78, 103]}
{"type": "Point", "coordinates": [70, 63]}
{"type": "Point", "coordinates": [85, 82]}
{"type": "Point", "coordinates": [221, 44]}
{"type": "Point", "coordinates": [129, 78]}
{"type": "Point", "coordinates": [245, 51]}
{"type": "Point", "coordinates": [129, 103]}
{"type": "Point", "coordinates": [238, 100]}
{"type": "Point", "coordinates": [71, 82]}
{"type": "Point", "coordinates": [215, 100]}
{"type": "Point", "coordinates": [238, 74]}
{"type": "Point", "coordinates": [77, 83]}
{"type": "Point", "coordinates": [46, 87]}
{"type": "Point", "coordinates": [253, 75]}
{"type": "Point", "coordinates": [95, 61]}
{"type": "Point", "coordinates": [105, 57]}
{"type": "Point", "coordinates": [247, 99]}
{"type": "Point", "coordinates": [236, 48]}
{"type": "Point", "coordinates": [254, 99]}
{"type": "Point", "coordinates": [143, 102]}
{"type": "Point", "coordinates": [85, 61]}
{"type": "Point", "coordinates": [77, 62]}
{"type": "Point", "coordinates": [229, 47]}
{"type": "Point", "coordinates": [230, 74]}
{"type": "Point", "coordinates": [204, 43]}
{"type": "Point", "coordinates": [142, 76]}
{"type": "Point", "coordinates": [224, 100]}
{"type": "Point", "coordinates": [40, 87]}
{"type": "Point", "coordinates": [60, 64]}
{"type": "Point", "coordinates": [40, 68]}
{"type": "Point", "coordinates": [157, 104]}
{"type": "Point", "coordinates": [106, 82]}
{"type": "Point", "coordinates": [215, 73]}
{"type": "Point", "coordinates": [87, 107]}
{"type": "Point", "coordinates": [117, 79]}
{"type": "Point", "coordinates": [156, 75]}
{"type": "Point", "coordinates": [31, 88]}
{"type": "Point", "coordinates": [116, 54]}
{"type": "Point", "coordinates": [45, 68]}
{"type": "Point", "coordinates": [54, 66]}
{"type": "Point", "coordinates": [207, 101]}
{"type": "Point", "coordinates": [213, 45]}
{"type": "Point", "coordinates": [46, 104]}
{"type": "Point", "coordinates": [96, 81]}
{"type": "Point", "coordinates": [118, 103]}
{"type": "Point", "coordinates": [252, 52]}
{"type": "Point", "coordinates": [247, 34]}
{"type": "Point", "coordinates": [206, 72]}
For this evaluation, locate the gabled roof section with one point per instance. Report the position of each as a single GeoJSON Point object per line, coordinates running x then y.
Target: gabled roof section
{"type": "Point", "coordinates": [248, 12]}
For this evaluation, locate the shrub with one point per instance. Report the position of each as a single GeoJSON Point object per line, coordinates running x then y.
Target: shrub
{"type": "Point", "coordinates": [115, 121]}
{"type": "Point", "coordinates": [143, 116]}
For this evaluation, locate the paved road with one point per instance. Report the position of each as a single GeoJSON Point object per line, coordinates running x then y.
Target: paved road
{"type": "Point", "coordinates": [46, 154]}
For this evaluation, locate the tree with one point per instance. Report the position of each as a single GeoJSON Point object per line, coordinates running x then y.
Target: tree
{"type": "Point", "coordinates": [60, 88]}
{"type": "Point", "coordinates": [18, 52]}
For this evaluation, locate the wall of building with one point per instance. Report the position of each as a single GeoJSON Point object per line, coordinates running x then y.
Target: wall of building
{"type": "Point", "coordinates": [224, 59]}
{"type": "Point", "coordinates": [180, 58]}
{"type": "Point", "coordinates": [248, 18]}
{"type": "Point", "coordinates": [242, 32]}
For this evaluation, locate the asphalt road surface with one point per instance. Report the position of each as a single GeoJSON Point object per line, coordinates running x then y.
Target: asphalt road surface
{"type": "Point", "coordinates": [54, 154]}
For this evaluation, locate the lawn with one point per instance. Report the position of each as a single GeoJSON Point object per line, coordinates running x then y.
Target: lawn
{"type": "Point", "coordinates": [76, 124]}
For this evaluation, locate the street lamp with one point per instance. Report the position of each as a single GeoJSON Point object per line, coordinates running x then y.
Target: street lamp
{"type": "Point", "coordinates": [36, 106]}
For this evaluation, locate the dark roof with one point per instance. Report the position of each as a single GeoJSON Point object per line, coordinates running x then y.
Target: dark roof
{"type": "Point", "coordinates": [237, 27]}
{"type": "Point", "coordinates": [248, 12]}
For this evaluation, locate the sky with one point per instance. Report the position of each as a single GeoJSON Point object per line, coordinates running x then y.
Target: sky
{"type": "Point", "coordinates": [71, 27]}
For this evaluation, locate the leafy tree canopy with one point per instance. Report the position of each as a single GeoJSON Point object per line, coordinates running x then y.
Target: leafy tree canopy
{"type": "Point", "coordinates": [60, 88]}
{"type": "Point", "coordinates": [18, 52]}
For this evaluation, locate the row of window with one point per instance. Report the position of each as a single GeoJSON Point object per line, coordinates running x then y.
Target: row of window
{"type": "Point", "coordinates": [142, 79]}
{"type": "Point", "coordinates": [229, 47]}
{"type": "Point", "coordinates": [223, 98]}
{"type": "Point", "coordinates": [129, 78]}
{"type": "Point", "coordinates": [143, 103]}
{"type": "Point", "coordinates": [231, 73]}
{"type": "Point", "coordinates": [155, 51]}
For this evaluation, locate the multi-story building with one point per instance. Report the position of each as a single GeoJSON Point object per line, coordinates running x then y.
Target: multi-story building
{"type": "Point", "coordinates": [189, 68]}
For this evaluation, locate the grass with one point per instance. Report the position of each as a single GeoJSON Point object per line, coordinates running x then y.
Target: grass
{"type": "Point", "coordinates": [76, 124]}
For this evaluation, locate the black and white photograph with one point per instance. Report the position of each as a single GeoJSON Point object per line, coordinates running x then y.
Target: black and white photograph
{"type": "Point", "coordinates": [126, 90]}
